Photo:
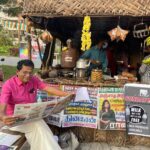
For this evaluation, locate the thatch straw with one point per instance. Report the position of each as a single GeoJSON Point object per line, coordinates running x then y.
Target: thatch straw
{"type": "Point", "coordinates": [52, 8]}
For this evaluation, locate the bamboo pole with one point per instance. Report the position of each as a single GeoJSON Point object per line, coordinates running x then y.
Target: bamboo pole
{"type": "Point", "coordinates": [29, 40]}
{"type": "Point", "coordinates": [19, 28]}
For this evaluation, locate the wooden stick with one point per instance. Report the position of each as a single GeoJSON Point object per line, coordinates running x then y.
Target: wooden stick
{"type": "Point", "coordinates": [29, 41]}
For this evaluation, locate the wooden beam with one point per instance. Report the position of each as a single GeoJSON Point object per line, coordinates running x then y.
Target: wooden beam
{"type": "Point", "coordinates": [29, 39]}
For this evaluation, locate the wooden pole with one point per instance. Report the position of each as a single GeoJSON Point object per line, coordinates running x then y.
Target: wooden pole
{"type": "Point", "coordinates": [46, 54]}
{"type": "Point", "coordinates": [52, 50]}
{"type": "Point", "coordinates": [19, 28]}
{"type": "Point", "coordinates": [29, 40]}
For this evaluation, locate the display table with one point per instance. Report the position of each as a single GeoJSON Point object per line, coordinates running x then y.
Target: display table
{"type": "Point", "coordinates": [88, 132]}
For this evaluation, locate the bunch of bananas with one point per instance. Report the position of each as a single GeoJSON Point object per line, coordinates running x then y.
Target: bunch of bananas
{"type": "Point", "coordinates": [86, 35]}
{"type": "Point", "coordinates": [64, 48]}
{"type": "Point", "coordinates": [146, 61]}
{"type": "Point", "coordinates": [147, 41]}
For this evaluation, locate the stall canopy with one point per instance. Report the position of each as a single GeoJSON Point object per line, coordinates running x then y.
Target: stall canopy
{"type": "Point", "coordinates": [64, 18]}
{"type": "Point", "coordinates": [56, 8]}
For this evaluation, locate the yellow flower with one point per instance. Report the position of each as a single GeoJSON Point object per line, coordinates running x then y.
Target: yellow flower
{"type": "Point", "coordinates": [86, 35]}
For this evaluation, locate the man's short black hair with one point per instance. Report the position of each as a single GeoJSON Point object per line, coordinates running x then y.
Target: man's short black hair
{"type": "Point", "coordinates": [102, 38]}
{"type": "Point", "coordinates": [25, 62]}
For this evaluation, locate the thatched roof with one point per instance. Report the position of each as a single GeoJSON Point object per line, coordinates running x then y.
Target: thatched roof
{"type": "Point", "coordinates": [56, 8]}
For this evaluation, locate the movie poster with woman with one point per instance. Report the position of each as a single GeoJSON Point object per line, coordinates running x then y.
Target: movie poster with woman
{"type": "Point", "coordinates": [111, 109]}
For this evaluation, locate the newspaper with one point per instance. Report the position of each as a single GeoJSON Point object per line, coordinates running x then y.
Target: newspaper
{"type": "Point", "coordinates": [8, 139]}
{"type": "Point", "coordinates": [34, 111]}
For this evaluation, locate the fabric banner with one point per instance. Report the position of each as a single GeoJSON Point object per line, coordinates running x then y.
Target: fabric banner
{"type": "Point", "coordinates": [35, 48]}
{"type": "Point", "coordinates": [13, 24]}
{"type": "Point", "coordinates": [23, 50]}
{"type": "Point", "coordinates": [23, 53]}
{"type": "Point", "coordinates": [137, 97]}
{"type": "Point", "coordinates": [111, 109]}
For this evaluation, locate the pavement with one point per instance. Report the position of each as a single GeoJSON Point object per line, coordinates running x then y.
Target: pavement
{"type": "Point", "coordinates": [96, 146]}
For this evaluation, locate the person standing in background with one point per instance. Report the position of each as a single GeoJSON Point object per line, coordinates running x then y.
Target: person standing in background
{"type": "Point", "coordinates": [111, 59]}
{"type": "Point", "coordinates": [97, 56]}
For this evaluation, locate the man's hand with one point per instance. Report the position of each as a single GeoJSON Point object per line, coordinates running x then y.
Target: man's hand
{"type": "Point", "coordinates": [106, 122]}
{"type": "Point", "coordinates": [71, 95]}
{"type": "Point", "coordinates": [7, 120]}
{"type": "Point", "coordinates": [55, 91]}
{"type": "Point", "coordinates": [95, 61]}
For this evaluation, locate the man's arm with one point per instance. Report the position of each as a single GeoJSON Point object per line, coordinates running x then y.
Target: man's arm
{"type": "Point", "coordinates": [5, 119]}
{"type": "Point", "coordinates": [55, 91]}
{"type": "Point", "coordinates": [86, 55]}
{"type": "Point", "coordinates": [105, 63]}
{"type": "Point", "coordinates": [142, 69]}
{"type": "Point", "coordinates": [2, 111]}
{"type": "Point", "coordinates": [45, 87]}
{"type": "Point", "coordinates": [4, 99]}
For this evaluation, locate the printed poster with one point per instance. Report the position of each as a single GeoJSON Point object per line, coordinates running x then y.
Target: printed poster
{"type": "Point", "coordinates": [137, 97]}
{"type": "Point", "coordinates": [81, 113]}
{"type": "Point", "coordinates": [111, 109]}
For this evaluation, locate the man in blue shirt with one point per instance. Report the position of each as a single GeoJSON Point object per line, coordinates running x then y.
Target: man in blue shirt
{"type": "Point", "coordinates": [97, 56]}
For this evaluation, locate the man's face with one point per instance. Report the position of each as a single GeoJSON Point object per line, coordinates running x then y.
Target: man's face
{"type": "Point", "coordinates": [101, 43]}
{"type": "Point", "coordinates": [25, 73]}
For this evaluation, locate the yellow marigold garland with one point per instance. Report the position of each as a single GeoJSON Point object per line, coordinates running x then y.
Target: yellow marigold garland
{"type": "Point", "coordinates": [86, 35]}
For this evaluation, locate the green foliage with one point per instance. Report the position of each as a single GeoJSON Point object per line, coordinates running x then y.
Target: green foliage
{"type": "Point", "coordinates": [5, 39]}
{"type": "Point", "coordinates": [1, 28]}
{"type": "Point", "coordinates": [5, 43]}
{"type": "Point", "coordinates": [4, 50]}
{"type": "Point", "coordinates": [10, 71]}
{"type": "Point", "coordinates": [14, 11]}
{"type": "Point", "coordinates": [2, 2]}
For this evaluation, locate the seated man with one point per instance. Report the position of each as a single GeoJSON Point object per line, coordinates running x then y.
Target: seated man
{"type": "Point", "coordinates": [21, 89]}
